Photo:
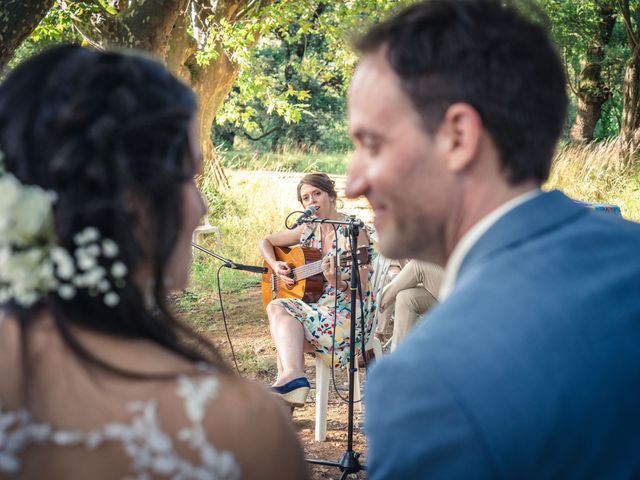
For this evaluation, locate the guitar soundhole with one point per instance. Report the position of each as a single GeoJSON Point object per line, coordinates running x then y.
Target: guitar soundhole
{"type": "Point", "coordinates": [292, 276]}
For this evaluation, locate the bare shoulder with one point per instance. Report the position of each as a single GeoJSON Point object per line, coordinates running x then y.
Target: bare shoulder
{"type": "Point", "coordinates": [256, 426]}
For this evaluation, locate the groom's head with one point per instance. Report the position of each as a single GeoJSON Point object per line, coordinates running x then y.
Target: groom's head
{"type": "Point", "coordinates": [450, 97]}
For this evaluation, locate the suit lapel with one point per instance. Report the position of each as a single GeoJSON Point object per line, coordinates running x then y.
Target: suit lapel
{"type": "Point", "coordinates": [542, 213]}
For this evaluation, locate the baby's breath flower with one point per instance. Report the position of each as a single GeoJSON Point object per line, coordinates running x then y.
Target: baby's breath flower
{"type": "Point", "coordinates": [32, 265]}
{"type": "Point", "coordinates": [104, 286]}
{"type": "Point", "coordinates": [111, 299]}
{"type": "Point", "coordinates": [66, 291]}
{"type": "Point", "coordinates": [109, 248]}
{"type": "Point", "coordinates": [93, 250]}
{"type": "Point", "coordinates": [86, 236]}
{"type": "Point", "coordinates": [118, 270]}
{"type": "Point", "coordinates": [84, 259]}
{"type": "Point", "coordinates": [63, 262]}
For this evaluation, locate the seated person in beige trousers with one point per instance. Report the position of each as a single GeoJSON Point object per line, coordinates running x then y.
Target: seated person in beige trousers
{"type": "Point", "coordinates": [410, 294]}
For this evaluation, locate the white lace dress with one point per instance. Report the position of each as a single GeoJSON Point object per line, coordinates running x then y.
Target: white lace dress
{"type": "Point", "coordinates": [152, 452]}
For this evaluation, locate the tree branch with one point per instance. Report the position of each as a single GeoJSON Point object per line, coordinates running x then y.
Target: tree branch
{"type": "Point", "coordinates": [149, 24]}
{"type": "Point", "coordinates": [274, 129]}
{"type": "Point", "coordinates": [18, 18]}
{"type": "Point", "coordinates": [626, 18]}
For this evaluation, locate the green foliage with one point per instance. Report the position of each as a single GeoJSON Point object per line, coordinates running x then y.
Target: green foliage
{"type": "Point", "coordinates": [291, 90]}
{"type": "Point", "coordinates": [574, 27]}
{"type": "Point", "coordinates": [55, 28]}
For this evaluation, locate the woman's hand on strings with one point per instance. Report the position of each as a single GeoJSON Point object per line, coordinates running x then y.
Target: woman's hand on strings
{"type": "Point", "coordinates": [283, 271]}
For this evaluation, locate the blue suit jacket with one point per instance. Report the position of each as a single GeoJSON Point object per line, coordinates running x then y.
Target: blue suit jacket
{"type": "Point", "coordinates": [531, 368]}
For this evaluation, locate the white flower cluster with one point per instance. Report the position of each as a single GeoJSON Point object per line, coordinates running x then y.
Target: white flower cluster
{"type": "Point", "coordinates": [32, 265]}
{"type": "Point", "coordinates": [83, 270]}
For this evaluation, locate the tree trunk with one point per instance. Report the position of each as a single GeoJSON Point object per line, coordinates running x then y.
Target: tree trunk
{"type": "Point", "coordinates": [630, 129]}
{"type": "Point", "coordinates": [162, 27]}
{"type": "Point", "coordinates": [592, 92]}
{"type": "Point", "coordinates": [18, 18]}
{"type": "Point", "coordinates": [145, 25]}
{"type": "Point", "coordinates": [212, 87]}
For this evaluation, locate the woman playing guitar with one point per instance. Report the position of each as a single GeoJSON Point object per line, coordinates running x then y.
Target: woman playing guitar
{"type": "Point", "coordinates": [298, 327]}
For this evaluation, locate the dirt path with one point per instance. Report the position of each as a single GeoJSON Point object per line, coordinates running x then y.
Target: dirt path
{"type": "Point", "coordinates": [254, 351]}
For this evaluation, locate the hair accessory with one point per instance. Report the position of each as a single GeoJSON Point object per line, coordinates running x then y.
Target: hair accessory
{"type": "Point", "coordinates": [32, 265]}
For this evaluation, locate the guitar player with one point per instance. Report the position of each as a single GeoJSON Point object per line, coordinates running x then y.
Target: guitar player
{"type": "Point", "coordinates": [298, 326]}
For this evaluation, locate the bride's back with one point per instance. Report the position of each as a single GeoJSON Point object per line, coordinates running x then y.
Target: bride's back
{"type": "Point", "coordinates": [84, 423]}
{"type": "Point", "coordinates": [98, 379]}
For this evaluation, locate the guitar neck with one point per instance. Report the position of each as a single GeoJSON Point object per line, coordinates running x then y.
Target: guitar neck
{"type": "Point", "coordinates": [307, 270]}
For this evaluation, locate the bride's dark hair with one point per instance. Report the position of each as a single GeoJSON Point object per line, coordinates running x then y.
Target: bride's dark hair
{"type": "Point", "coordinates": [105, 131]}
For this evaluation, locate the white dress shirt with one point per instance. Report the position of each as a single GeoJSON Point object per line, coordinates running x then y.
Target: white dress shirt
{"type": "Point", "coordinates": [470, 238]}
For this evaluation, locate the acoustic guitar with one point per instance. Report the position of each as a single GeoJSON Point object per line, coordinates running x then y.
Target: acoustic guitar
{"type": "Point", "coordinates": [306, 271]}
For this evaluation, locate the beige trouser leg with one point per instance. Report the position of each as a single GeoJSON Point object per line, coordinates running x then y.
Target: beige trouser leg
{"type": "Point", "coordinates": [410, 304]}
{"type": "Point", "coordinates": [383, 321]}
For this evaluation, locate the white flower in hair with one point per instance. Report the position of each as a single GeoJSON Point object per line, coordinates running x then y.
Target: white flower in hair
{"type": "Point", "coordinates": [87, 235]}
{"type": "Point", "coordinates": [109, 248]}
{"type": "Point", "coordinates": [65, 267]}
{"type": "Point", "coordinates": [9, 195]}
{"type": "Point", "coordinates": [118, 270]}
{"type": "Point", "coordinates": [84, 259]}
{"type": "Point", "coordinates": [67, 292]}
{"type": "Point", "coordinates": [111, 299]}
{"type": "Point", "coordinates": [32, 215]}
{"type": "Point", "coordinates": [32, 264]}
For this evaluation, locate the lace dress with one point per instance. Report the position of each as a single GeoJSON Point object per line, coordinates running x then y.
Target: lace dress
{"type": "Point", "coordinates": [150, 450]}
{"type": "Point", "coordinates": [318, 318]}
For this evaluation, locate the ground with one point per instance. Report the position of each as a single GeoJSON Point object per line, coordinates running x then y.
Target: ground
{"type": "Point", "coordinates": [255, 354]}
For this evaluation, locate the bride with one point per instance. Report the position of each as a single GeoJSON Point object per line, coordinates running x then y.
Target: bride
{"type": "Point", "coordinates": [98, 379]}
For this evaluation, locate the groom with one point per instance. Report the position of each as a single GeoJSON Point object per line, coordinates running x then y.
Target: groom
{"type": "Point", "coordinates": [530, 366]}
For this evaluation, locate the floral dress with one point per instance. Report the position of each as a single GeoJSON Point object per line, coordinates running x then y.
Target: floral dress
{"type": "Point", "coordinates": [318, 319]}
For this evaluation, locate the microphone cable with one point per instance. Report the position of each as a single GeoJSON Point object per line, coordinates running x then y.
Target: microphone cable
{"type": "Point", "coordinates": [353, 319]}
{"type": "Point", "coordinates": [224, 319]}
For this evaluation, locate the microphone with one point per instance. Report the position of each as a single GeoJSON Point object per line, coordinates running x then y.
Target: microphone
{"type": "Point", "coordinates": [306, 214]}
{"type": "Point", "coordinates": [228, 263]}
{"type": "Point", "coordinates": [248, 268]}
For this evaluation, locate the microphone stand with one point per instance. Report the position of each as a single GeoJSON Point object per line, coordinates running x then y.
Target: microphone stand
{"type": "Point", "coordinates": [228, 263]}
{"type": "Point", "coordinates": [349, 462]}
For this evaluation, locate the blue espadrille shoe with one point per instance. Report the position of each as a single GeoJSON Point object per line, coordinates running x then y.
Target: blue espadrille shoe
{"type": "Point", "coordinates": [294, 392]}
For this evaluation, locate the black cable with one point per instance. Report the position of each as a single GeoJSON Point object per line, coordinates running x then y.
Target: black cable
{"type": "Point", "coordinates": [224, 318]}
{"type": "Point", "coordinates": [286, 220]}
{"type": "Point", "coordinates": [353, 319]}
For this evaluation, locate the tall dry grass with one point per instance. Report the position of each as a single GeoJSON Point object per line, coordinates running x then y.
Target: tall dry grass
{"type": "Point", "coordinates": [595, 173]}
{"type": "Point", "coordinates": [255, 205]}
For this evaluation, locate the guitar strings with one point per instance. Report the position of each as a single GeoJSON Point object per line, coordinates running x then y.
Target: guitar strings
{"type": "Point", "coordinates": [307, 270]}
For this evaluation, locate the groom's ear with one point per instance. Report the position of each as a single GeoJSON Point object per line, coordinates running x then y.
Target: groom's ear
{"type": "Point", "coordinates": [459, 136]}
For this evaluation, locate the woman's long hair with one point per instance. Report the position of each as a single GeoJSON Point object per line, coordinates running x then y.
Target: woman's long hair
{"type": "Point", "coordinates": [103, 130]}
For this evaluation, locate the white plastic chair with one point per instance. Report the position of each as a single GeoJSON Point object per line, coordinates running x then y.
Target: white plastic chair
{"type": "Point", "coordinates": [205, 229]}
{"type": "Point", "coordinates": [323, 379]}
{"type": "Point", "coordinates": [323, 372]}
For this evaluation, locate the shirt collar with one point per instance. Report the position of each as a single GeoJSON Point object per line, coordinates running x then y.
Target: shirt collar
{"type": "Point", "coordinates": [470, 238]}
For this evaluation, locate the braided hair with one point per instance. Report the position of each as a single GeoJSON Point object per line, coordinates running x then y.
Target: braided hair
{"type": "Point", "coordinates": [103, 130]}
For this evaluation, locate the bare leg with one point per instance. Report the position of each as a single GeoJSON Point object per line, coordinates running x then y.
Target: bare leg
{"type": "Point", "coordinates": [288, 337]}
{"type": "Point", "coordinates": [279, 365]}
